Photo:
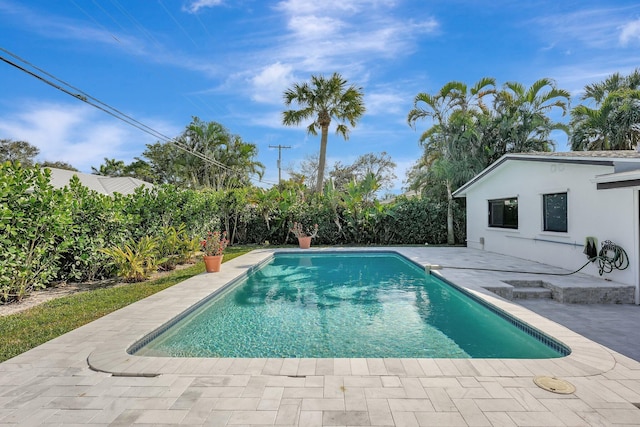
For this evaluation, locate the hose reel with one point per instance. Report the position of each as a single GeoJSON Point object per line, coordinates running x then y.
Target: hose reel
{"type": "Point", "coordinates": [610, 257]}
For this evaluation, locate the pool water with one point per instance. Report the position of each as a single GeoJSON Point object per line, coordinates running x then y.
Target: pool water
{"type": "Point", "coordinates": [359, 305]}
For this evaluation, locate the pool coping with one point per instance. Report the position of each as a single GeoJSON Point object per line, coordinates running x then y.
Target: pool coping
{"type": "Point", "coordinates": [134, 322]}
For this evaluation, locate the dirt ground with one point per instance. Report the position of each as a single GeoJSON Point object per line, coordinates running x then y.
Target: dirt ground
{"type": "Point", "coordinates": [63, 289]}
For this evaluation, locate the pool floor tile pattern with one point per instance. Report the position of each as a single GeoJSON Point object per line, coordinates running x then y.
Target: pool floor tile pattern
{"type": "Point", "coordinates": [54, 385]}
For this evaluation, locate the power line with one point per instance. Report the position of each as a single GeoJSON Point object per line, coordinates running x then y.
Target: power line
{"type": "Point", "coordinates": [136, 23]}
{"type": "Point", "coordinates": [94, 19]}
{"type": "Point", "coordinates": [178, 23]}
{"type": "Point", "coordinates": [96, 103]}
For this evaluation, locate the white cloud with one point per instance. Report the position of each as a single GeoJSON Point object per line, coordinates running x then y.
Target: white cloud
{"type": "Point", "coordinates": [76, 134]}
{"type": "Point", "coordinates": [314, 27]}
{"type": "Point", "coordinates": [338, 34]}
{"type": "Point", "coordinates": [429, 25]}
{"type": "Point", "coordinates": [270, 83]}
{"type": "Point", "coordinates": [386, 103]}
{"type": "Point", "coordinates": [195, 6]}
{"type": "Point", "coordinates": [630, 32]}
{"type": "Point", "coordinates": [594, 28]}
{"type": "Point", "coordinates": [339, 6]}
{"type": "Point", "coordinates": [144, 44]}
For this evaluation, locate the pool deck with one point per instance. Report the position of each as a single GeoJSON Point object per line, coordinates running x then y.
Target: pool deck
{"type": "Point", "coordinates": [86, 377]}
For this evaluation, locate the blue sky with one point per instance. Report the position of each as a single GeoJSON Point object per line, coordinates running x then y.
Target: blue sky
{"type": "Point", "coordinates": [164, 61]}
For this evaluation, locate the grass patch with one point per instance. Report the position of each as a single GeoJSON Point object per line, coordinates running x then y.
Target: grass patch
{"type": "Point", "coordinates": [23, 331]}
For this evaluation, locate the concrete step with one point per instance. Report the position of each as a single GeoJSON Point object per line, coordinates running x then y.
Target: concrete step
{"type": "Point", "coordinates": [531, 293]}
{"type": "Point", "coordinates": [526, 283]}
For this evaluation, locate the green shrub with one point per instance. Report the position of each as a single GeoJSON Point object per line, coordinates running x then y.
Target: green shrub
{"type": "Point", "coordinates": [175, 247]}
{"type": "Point", "coordinates": [98, 222]}
{"type": "Point", "coordinates": [135, 261]}
{"type": "Point", "coordinates": [33, 222]}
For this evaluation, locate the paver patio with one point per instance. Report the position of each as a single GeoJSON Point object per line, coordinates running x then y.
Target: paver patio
{"type": "Point", "coordinates": [86, 376]}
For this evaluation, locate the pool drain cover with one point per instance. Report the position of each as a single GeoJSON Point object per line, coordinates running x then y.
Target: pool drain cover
{"type": "Point", "coordinates": [554, 385]}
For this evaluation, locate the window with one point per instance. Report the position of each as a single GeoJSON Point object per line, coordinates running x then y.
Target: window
{"type": "Point", "coordinates": [554, 210]}
{"type": "Point", "coordinates": [503, 213]}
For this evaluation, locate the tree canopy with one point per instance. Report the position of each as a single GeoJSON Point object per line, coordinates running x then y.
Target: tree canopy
{"type": "Point", "coordinates": [473, 126]}
{"type": "Point", "coordinates": [613, 123]}
{"type": "Point", "coordinates": [18, 151]}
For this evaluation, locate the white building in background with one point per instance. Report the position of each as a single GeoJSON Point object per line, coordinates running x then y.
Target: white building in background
{"type": "Point", "coordinates": [543, 206]}
{"type": "Point", "coordinates": [102, 184]}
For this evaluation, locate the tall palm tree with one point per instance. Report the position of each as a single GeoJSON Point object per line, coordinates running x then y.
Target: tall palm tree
{"type": "Point", "coordinates": [452, 145]}
{"type": "Point", "coordinates": [323, 100]}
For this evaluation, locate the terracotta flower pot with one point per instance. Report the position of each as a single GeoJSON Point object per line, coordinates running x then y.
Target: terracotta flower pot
{"type": "Point", "coordinates": [304, 242]}
{"type": "Point", "coordinates": [212, 263]}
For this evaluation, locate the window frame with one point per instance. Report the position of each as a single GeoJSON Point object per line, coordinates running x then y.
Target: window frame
{"type": "Point", "coordinates": [494, 222]}
{"type": "Point", "coordinates": [545, 214]}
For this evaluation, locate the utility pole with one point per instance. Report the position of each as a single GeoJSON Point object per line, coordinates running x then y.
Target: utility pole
{"type": "Point", "coordinates": [279, 147]}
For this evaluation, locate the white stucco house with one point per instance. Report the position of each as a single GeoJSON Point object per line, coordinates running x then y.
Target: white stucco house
{"type": "Point", "coordinates": [543, 206]}
{"type": "Point", "coordinates": [102, 184]}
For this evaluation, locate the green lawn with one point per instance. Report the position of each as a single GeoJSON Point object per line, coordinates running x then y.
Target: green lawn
{"type": "Point", "coordinates": [28, 329]}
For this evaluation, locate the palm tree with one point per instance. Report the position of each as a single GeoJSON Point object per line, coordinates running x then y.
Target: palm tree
{"type": "Point", "coordinates": [522, 115]}
{"type": "Point", "coordinates": [216, 158]}
{"type": "Point", "coordinates": [111, 167]}
{"type": "Point", "coordinates": [598, 92]}
{"type": "Point", "coordinates": [324, 99]}
{"type": "Point", "coordinates": [453, 149]}
{"type": "Point", "coordinates": [614, 123]}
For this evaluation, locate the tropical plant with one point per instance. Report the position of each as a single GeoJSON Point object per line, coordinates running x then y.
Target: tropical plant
{"type": "Point", "coordinates": [205, 155]}
{"type": "Point", "coordinates": [614, 122]}
{"type": "Point", "coordinates": [324, 99]}
{"type": "Point", "coordinates": [135, 261]}
{"type": "Point", "coordinates": [212, 157]}
{"type": "Point", "coordinates": [453, 148]}
{"type": "Point", "coordinates": [111, 167]}
{"type": "Point", "coordinates": [522, 116]}
{"type": "Point", "coordinates": [174, 246]}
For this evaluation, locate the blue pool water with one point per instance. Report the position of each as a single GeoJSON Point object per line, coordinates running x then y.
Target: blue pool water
{"type": "Point", "coordinates": [346, 305]}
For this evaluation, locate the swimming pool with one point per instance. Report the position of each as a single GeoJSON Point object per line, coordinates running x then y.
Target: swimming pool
{"type": "Point", "coordinates": [346, 304]}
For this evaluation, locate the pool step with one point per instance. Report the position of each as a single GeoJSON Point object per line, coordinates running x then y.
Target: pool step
{"type": "Point", "coordinates": [531, 293]}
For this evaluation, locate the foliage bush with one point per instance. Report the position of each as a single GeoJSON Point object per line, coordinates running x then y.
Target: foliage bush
{"type": "Point", "coordinates": [34, 221]}
{"type": "Point", "coordinates": [134, 261]}
{"type": "Point", "coordinates": [49, 235]}
{"type": "Point", "coordinates": [97, 222]}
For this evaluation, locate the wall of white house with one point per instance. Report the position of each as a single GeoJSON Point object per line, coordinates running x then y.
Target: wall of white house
{"type": "Point", "coordinates": [605, 214]}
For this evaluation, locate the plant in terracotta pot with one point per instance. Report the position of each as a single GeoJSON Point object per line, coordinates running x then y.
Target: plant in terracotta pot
{"type": "Point", "coordinates": [213, 246]}
{"type": "Point", "coordinates": [304, 234]}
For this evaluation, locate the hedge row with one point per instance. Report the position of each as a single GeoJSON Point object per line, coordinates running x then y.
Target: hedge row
{"type": "Point", "coordinates": [49, 235]}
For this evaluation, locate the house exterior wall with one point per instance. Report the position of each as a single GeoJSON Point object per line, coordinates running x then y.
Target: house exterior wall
{"type": "Point", "coordinates": [604, 214]}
